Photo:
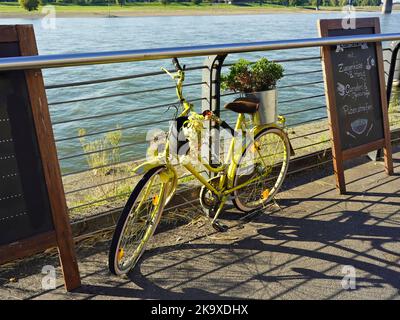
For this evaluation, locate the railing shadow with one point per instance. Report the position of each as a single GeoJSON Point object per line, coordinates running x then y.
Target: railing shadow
{"type": "Point", "coordinates": [162, 281]}
{"type": "Point", "coordinates": [275, 235]}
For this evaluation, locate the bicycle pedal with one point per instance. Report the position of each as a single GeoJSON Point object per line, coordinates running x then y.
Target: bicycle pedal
{"type": "Point", "coordinates": [220, 227]}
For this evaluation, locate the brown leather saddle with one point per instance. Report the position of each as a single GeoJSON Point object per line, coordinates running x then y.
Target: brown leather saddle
{"type": "Point", "coordinates": [244, 105]}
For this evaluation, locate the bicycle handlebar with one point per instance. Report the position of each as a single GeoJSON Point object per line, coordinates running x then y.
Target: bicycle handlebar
{"type": "Point", "coordinates": [179, 77]}
{"type": "Point", "coordinates": [177, 65]}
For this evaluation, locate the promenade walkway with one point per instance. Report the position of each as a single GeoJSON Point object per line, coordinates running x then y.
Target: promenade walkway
{"type": "Point", "coordinates": [297, 251]}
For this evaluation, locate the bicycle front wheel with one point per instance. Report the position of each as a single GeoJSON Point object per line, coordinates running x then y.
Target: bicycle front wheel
{"type": "Point", "coordinates": [261, 170]}
{"type": "Point", "coordinates": [137, 222]}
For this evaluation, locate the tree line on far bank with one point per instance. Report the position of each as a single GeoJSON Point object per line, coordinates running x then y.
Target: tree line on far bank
{"type": "Point", "coordinates": [31, 5]}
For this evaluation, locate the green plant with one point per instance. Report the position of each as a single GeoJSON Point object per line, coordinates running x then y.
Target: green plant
{"type": "Point", "coordinates": [103, 158]}
{"type": "Point", "coordinates": [265, 74]}
{"type": "Point", "coordinates": [29, 5]}
{"type": "Point", "coordinates": [238, 78]}
{"type": "Point", "coordinates": [246, 77]}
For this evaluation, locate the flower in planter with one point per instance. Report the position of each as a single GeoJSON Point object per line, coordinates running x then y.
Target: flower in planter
{"type": "Point", "coordinates": [248, 77]}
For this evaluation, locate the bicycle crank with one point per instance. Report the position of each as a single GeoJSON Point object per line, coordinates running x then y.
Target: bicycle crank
{"type": "Point", "coordinates": [209, 201]}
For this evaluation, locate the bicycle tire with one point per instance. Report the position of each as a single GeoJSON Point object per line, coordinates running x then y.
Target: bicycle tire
{"type": "Point", "coordinates": [237, 198]}
{"type": "Point", "coordinates": [122, 224]}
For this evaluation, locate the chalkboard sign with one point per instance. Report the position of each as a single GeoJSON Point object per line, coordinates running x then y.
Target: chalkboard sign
{"type": "Point", "coordinates": [33, 211]}
{"type": "Point", "coordinates": [358, 102]}
{"type": "Point", "coordinates": [355, 91]}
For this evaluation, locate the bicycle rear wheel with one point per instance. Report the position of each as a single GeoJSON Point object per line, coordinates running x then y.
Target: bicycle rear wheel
{"type": "Point", "coordinates": [265, 161]}
{"type": "Point", "coordinates": [137, 222]}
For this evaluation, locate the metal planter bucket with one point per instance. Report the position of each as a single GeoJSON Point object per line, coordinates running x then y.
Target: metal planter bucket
{"type": "Point", "coordinates": [267, 112]}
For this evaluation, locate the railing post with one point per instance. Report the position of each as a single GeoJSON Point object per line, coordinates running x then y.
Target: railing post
{"type": "Point", "coordinates": [392, 70]}
{"type": "Point", "coordinates": [387, 6]}
{"type": "Point", "coordinates": [377, 154]}
{"type": "Point", "coordinates": [211, 94]}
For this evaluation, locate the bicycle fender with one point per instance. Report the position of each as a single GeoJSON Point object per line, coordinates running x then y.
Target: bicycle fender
{"type": "Point", "coordinates": [257, 129]}
{"type": "Point", "coordinates": [146, 167]}
{"type": "Point", "coordinates": [167, 175]}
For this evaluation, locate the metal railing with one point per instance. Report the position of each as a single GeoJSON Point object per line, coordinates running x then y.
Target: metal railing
{"type": "Point", "coordinates": [79, 59]}
{"type": "Point", "coordinates": [302, 101]}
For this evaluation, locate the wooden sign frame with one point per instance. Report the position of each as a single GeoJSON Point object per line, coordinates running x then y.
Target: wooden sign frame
{"type": "Point", "coordinates": [339, 155]}
{"type": "Point", "coordinates": [61, 236]}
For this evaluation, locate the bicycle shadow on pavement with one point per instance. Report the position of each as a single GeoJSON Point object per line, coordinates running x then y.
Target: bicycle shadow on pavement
{"type": "Point", "coordinates": [286, 255]}
{"type": "Point", "coordinates": [298, 252]}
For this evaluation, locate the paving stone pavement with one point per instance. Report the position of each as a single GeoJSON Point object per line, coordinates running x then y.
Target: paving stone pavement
{"type": "Point", "coordinates": [307, 248]}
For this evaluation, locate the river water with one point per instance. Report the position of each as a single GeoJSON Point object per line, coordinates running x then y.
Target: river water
{"type": "Point", "coordinates": [73, 35]}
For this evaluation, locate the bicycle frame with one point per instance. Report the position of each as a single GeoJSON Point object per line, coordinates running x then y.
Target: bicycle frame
{"type": "Point", "coordinates": [225, 187]}
{"type": "Point", "coordinates": [245, 164]}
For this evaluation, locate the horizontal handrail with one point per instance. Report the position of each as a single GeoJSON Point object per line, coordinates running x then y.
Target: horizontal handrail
{"type": "Point", "coordinates": [121, 78]}
{"type": "Point", "coordinates": [123, 112]}
{"type": "Point", "coordinates": [123, 94]}
{"type": "Point", "coordinates": [77, 59]}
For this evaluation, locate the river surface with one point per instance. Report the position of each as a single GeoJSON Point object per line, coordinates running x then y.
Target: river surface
{"type": "Point", "coordinates": [73, 35]}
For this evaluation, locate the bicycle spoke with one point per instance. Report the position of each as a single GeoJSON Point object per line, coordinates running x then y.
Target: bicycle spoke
{"type": "Point", "coordinates": [140, 220]}
{"type": "Point", "coordinates": [264, 158]}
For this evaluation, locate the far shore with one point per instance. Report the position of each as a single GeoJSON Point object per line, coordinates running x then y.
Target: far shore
{"type": "Point", "coordinates": [143, 11]}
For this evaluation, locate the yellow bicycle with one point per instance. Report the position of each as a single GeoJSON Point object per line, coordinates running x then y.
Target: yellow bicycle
{"type": "Point", "coordinates": [250, 175]}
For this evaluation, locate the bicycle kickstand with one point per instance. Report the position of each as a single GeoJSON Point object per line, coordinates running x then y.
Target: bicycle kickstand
{"type": "Point", "coordinates": [217, 225]}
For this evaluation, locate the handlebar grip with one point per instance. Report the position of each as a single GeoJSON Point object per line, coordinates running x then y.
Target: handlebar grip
{"type": "Point", "coordinates": [176, 64]}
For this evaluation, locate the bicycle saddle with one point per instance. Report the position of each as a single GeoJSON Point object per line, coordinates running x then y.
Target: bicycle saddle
{"type": "Point", "coordinates": [243, 105]}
